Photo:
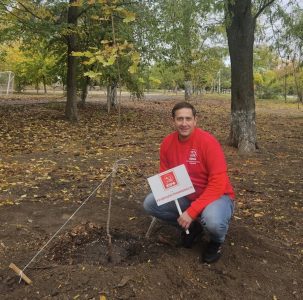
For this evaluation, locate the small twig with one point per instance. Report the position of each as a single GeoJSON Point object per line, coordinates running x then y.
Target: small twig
{"type": "Point", "coordinates": [109, 254]}
{"type": "Point", "coordinates": [129, 189]}
{"type": "Point", "coordinates": [151, 226]}
{"type": "Point", "coordinates": [113, 173]}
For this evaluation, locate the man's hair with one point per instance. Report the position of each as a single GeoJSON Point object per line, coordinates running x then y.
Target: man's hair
{"type": "Point", "coordinates": [181, 105]}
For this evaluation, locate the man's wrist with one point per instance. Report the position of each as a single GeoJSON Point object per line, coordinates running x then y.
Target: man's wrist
{"type": "Point", "coordinates": [192, 212]}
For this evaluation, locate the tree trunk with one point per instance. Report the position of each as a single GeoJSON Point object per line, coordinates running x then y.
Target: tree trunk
{"type": "Point", "coordinates": [240, 33]}
{"type": "Point", "coordinates": [71, 111]}
{"type": "Point", "coordinates": [187, 16]}
{"type": "Point", "coordinates": [37, 87]}
{"type": "Point", "coordinates": [84, 90]}
{"type": "Point", "coordinates": [188, 90]}
{"type": "Point", "coordinates": [285, 88]}
{"type": "Point", "coordinates": [112, 96]}
{"type": "Point", "coordinates": [296, 70]}
{"type": "Point", "coordinates": [44, 84]}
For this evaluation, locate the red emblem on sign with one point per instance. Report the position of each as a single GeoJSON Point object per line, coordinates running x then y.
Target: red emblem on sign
{"type": "Point", "coordinates": [169, 180]}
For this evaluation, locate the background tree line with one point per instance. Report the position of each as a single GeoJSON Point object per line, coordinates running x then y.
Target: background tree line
{"type": "Point", "coordinates": [253, 48]}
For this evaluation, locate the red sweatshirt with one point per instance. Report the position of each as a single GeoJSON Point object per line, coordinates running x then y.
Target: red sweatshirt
{"type": "Point", "coordinates": [204, 160]}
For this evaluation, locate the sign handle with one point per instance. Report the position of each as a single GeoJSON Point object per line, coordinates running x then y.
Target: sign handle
{"type": "Point", "coordinates": [180, 212]}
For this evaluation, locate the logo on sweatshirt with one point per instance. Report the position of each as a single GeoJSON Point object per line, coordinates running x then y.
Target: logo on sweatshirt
{"type": "Point", "coordinates": [193, 157]}
{"type": "Point", "coordinates": [169, 180]}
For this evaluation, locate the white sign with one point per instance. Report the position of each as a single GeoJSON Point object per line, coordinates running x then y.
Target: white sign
{"type": "Point", "coordinates": [171, 185]}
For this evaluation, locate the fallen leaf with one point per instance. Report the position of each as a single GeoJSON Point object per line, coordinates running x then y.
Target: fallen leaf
{"type": "Point", "coordinates": [124, 281]}
{"type": "Point", "coordinates": [258, 200]}
{"type": "Point", "coordinates": [258, 215]}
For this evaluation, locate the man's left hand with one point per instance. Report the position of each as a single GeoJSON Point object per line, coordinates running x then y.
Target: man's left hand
{"type": "Point", "coordinates": [185, 220]}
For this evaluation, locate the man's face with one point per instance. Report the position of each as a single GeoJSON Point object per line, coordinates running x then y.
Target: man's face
{"type": "Point", "coordinates": [184, 122]}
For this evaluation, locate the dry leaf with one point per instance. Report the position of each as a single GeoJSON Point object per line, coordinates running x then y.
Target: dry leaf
{"type": "Point", "coordinates": [124, 281]}
{"type": "Point", "coordinates": [258, 215]}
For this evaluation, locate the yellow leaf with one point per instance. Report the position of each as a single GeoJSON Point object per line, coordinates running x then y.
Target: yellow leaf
{"type": "Point", "coordinates": [258, 200]}
{"type": "Point", "coordinates": [129, 17]}
{"type": "Point", "coordinates": [102, 297]}
{"type": "Point", "coordinates": [92, 74]}
{"type": "Point", "coordinates": [155, 80]}
{"type": "Point", "coordinates": [86, 53]}
{"type": "Point", "coordinates": [76, 3]}
{"type": "Point", "coordinates": [7, 202]}
{"type": "Point", "coordinates": [77, 53]}
{"type": "Point", "coordinates": [110, 61]}
{"type": "Point", "coordinates": [135, 56]}
{"type": "Point", "coordinates": [89, 62]}
{"type": "Point", "coordinates": [100, 59]}
{"type": "Point", "coordinates": [132, 69]}
{"type": "Point", "coordinates": [258, 215]}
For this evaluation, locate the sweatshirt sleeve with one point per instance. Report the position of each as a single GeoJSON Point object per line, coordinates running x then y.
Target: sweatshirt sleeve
{"type": "Point", "coordinates": [214, 190]}
{"type": "Point", "coordinates": [163, 159]}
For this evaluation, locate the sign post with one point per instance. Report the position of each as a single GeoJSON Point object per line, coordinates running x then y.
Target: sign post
{"type": "Point", "coordinates": [180, 212]}
{"type": "Point", "coordinates": [170, 185]}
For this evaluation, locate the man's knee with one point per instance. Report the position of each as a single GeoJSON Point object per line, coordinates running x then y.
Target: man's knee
{"type": "Point", "coordinates": [214, 226]}
{"type": "Point", "coordinates": [149, 203]}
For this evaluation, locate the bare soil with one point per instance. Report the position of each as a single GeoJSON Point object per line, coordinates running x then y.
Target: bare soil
{"type": "Point", "coordinates": [49, 167]}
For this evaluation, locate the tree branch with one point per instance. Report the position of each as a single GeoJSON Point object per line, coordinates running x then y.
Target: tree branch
{"type": "Point", "coordinates": [29, 11]}
{"type": "Point", "coordinates": [262, 7]}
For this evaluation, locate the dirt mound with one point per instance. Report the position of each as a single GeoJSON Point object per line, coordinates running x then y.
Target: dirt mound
{"type": "Point", "coordinates": [88, 243]}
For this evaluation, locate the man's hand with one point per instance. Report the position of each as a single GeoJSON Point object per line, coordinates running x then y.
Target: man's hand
{"type": "Point", "coordinates": [185, 220]}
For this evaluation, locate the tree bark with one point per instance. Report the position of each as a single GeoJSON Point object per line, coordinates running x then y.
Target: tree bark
{"type": "Point", "coordinates": [112, 100]}
{"type": "Point", "coordinates": [84, 90]}
{"type": "Point", "coordinates": [188, 90]}
{"type": "Point", "coordinates": [240, 33]}
{"type": "Point", "coordinates": [296, 70]}
{"type": "Point", "coordinates": [71, 111]}
{"type": "Point", "coordinates": [187, 15]}
{"type": "Point", "coordinates": [44, 84]}
{"type": "Point", "coordinates": [37, 87]}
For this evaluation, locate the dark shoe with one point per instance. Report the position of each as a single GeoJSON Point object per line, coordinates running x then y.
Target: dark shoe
{"type": "Point", "coordinates": [187, 240]}
{"type": "Point", "coordinates": [212, 253]}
